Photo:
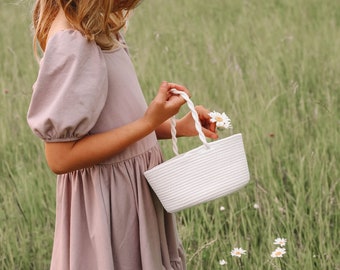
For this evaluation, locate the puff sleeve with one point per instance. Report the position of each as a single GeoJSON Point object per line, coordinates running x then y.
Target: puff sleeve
{"type": "Point", "coordinates": [71, 88]}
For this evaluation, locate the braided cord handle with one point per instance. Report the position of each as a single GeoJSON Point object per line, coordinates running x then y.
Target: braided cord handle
{"type": "Point", "coordinates": [194, 116]}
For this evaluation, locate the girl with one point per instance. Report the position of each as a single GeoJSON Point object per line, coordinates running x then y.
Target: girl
{"type": "Point", "coordinates": [100, 137]}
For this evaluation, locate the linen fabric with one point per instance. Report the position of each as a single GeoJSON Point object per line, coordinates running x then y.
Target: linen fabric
{"type": "Point", "coordinates": [107, 217]}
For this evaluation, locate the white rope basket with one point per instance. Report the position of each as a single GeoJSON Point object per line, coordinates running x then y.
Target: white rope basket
{"type": "Point", "coordinates": [208, 172]}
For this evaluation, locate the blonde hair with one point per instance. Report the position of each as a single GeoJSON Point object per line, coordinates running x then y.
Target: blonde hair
{"type": "Point", "coordinates": [98, 20]}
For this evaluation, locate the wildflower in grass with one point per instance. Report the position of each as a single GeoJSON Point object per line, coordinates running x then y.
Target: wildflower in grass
{"type": "Point", "coordinates": [223, 262]}
{"type": "Point", "coordinates": [222, 208]}
{"type": "Point", "coordinates": [280, 241]}
{"type": "Point", "coordinates": [278, 253]}
{"type": "Point", "coordinates": [221, 119]}
{"type": "Point", "coordinates": [256, 206]}
{"type": "Point", "coordinates": [238, 252]}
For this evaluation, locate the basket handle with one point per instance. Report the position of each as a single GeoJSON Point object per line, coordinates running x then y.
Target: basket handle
{"type": "Point", "coordinates": [194, 116]}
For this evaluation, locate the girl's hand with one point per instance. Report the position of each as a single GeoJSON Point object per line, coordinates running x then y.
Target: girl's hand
{"type": "Point", "coordinates": [165, 104]}
{"type": "Point", "coordinates": [186, 125]}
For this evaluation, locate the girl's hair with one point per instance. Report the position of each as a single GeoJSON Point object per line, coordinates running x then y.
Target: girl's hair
{"type": "Point", "coordinates": [97, 20]}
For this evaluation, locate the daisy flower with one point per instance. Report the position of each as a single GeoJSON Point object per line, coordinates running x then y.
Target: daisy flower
{"type": "Point", "coordinates": [278, 253]}
{"type": "Point", "coordinates": [223, 262]}
{"type": "Point", "coordinates": [221, 119]}
{"type": "Point", "coordinates": [280, 241]}
{"type": "Point", "coordinates": [238, 252]}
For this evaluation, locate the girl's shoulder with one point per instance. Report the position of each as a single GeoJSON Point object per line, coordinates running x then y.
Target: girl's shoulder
{"type": "Point", "coordinates": [65, 38]}
{"type": "Point", "coordinates": [60, 24]}
{"type": "Point", "coordinates": [62, 34]}
{"type": "Point", "coordinates": [69, 45]}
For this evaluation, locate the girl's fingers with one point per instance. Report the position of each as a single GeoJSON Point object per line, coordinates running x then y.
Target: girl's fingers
{"type": "Point", "coordinates": [210, 134]}
{"type": "Point", "coordinates": [172, 102]}
{"type": "Point", "coordinates": [163, 91]}
{"type": "Point", "coordinates": [204, 117]}
{"type": "Point", "coordinates": [179, 88]}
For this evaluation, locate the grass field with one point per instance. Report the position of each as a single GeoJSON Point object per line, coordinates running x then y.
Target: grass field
{"type": "Point", "coordinates": [273, 66]}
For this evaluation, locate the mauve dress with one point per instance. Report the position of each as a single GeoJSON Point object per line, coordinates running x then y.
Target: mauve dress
{"type": "Point", "coordinates": [107, 218]}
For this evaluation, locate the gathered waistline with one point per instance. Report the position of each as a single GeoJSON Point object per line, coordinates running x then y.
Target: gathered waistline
{"type": "Point", "coordinates": [128, 155]}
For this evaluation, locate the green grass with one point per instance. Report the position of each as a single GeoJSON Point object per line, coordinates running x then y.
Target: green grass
{"type": "Point", "coordinates": [272, 66]}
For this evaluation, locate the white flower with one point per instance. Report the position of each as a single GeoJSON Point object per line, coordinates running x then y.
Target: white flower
{"type": "Point", "coordinates": [223, 262]}
{"type": "Point", "coordinates": [221, 119]}
{"type": "Point", "coordinates": [222, 208]}
{"type": "Point", "coordinates": [256, 206]}
{"type": "Point", "coordinates": [280, 241]}
{"type": "Point", "coordinates": [278, 253]}
{"type": "Point", "coordinates": [238, 252]}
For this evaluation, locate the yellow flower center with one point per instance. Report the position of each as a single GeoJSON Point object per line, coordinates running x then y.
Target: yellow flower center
{"type": "Point", "coordinates": [219, 119]}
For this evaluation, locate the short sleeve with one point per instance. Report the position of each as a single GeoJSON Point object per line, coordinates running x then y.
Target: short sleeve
{"type": "Point", "coordinates": [71, 88]}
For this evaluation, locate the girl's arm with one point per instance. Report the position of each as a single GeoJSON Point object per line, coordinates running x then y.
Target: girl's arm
{"type": "Point", "coordinates": [63, 157]}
